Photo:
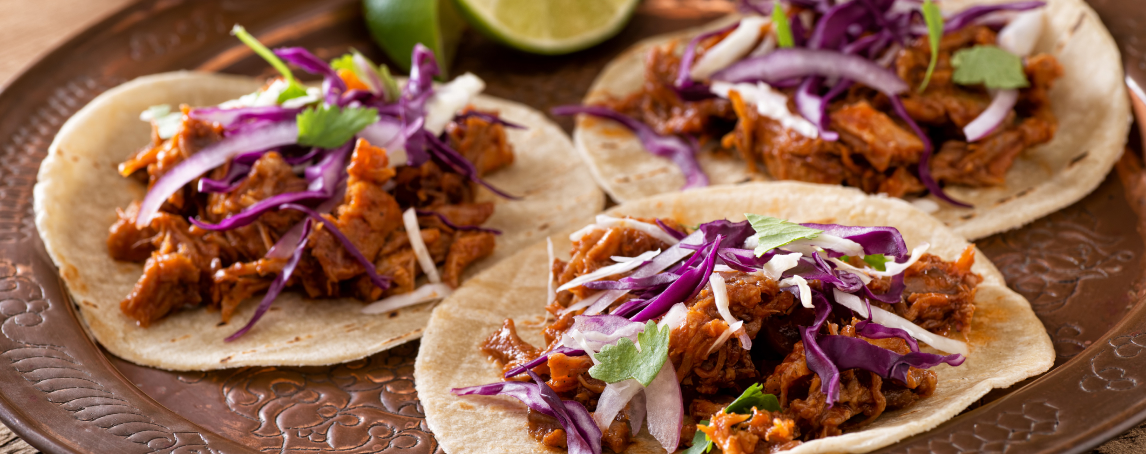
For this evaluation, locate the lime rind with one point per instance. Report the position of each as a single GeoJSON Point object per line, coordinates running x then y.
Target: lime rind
{"type": "Point", "coordinates": [527, 29]}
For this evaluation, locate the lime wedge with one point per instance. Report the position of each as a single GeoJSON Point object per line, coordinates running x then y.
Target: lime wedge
{"type": "Point", "coordinates": [548, 26]}
{"type": "Point", "coordinates": [397, 25]}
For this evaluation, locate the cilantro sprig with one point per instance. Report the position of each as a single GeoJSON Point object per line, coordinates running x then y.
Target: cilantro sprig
{"type": "Point", "coordinates": [622, 361]}
{"type": "Point", "coordinates": [772, 233]}
{"type": "Point", "coordinates": [989, 65]}
{"type": "Point", "coordinates": [294, 89]}
{"type": "Point", "coordinates": [783, 27]}
{"type": "Point", "coordinates": [935, 24]}
{"type": "Point", "coordinates": [752, 397]}
{"type": "Point", "coordinates": [331, 126]}
{"type": "Point", "coordinates": [390, 90]}
{"type": "Point", "coordinates": [876, 261]}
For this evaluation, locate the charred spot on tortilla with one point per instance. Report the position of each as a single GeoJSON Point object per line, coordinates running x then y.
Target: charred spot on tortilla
{"type": "Point", "coordinates": [1078, 158]}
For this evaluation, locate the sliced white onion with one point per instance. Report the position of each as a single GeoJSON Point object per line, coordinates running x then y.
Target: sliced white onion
{"type": "Point", "coordinates": [728, 334]}
{"type": "Point", "coordinates": [576, 236]}
{"type": "Point", "coordinates": [769, 103]}
{"type": "Point", "coordinates": [610, 270]}
{"type": "Point", "coordinates": [891, 268]}
{"type": "Point", "coordinates": [593, 341]}
{"type": "Point", "coordinates": [613, 399]}
{"type": "Point", "coordinates": [665, 408]}
{"type": "Point", "coordinates": [653, 230]}
{"type": "Point", "coordinates": [780, 263]}
{"type": "Point", "coordinates": [720, 296]}
{"type": "Point", "coordinates": [730, 49]}
{"type": "Point", "coordinates": [387, 134]}
{"type": "Point", "coordinates": [1021, 34]}
{"type": "Point", "coordinates": [891, 320]}
{"type": "Point", "coordinates": [986, 123]}
{"type": "Point", "coordinates": [586, 302]}
{"type": "Point", "coordinates": [410, 219]}
{"type": "Point", "coordinates": [450, 98]}
{"type": "Point", "coordinates": [829, 242]}
{"type": "Point", "coordinates": [550, 293]}
{"type": "Point", "coordinates": [313, 95]}
{"type": "Point", "coordinates": [637, 412]}
{"type": "Point", "coordinates": [674, 317]}
{"type": "Point", "coordinates": [423, 294]}
{"type": "Point", "coordinates": [805, 291]}
{"type": "Point", "coordinates": [767, 45]}
{"type": "Point", "coordinates": [925, 205]}
{"type": "Point", "coordinates": [658, 264]}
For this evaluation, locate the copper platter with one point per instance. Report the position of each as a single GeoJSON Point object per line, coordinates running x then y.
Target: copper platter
{"type": "Point", "coordinates": [1081, 268]}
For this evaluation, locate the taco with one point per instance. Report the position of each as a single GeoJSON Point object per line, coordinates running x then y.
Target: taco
{"type": "Point", "coordinates": [670, 326]}
{"type": "Point", "coordinates": [293, 206]}
{"type": "Point", "coordinates": [1021, 112]}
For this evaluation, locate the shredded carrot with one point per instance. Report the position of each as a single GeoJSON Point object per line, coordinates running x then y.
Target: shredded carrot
{"type": "Point", "coordinates": [351, 79]}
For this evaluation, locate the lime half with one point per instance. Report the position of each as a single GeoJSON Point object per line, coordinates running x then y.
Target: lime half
{"type": "Point", "coordinates": [548, 26]}
{"type": "Point", "coordinates": [397, 25]}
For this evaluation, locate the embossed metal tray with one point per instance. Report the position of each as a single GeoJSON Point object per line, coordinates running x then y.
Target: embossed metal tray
{"type": "Point", "coordinates": [1081, 268]}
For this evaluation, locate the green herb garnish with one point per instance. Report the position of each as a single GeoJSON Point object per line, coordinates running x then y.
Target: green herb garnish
{"type": "Point", "coordinates": [700, 442]}
{"type": "Point", "coordinates": [783, 27]}
{"type": "Point", "coordinates": [330, 127]}
{"type": "Point", "coordinates": [934, 19]}
{"type": "Point", "coordinates": [752, 397]}
{"type": "Point", "coordinates": [772, 233]}
{"type": "Point", "coordinates": [390, 90]}
{"type": "Point", "coordinates": [877, 261]}
{"type": "Point", "coordinates": [622, 361]}
{"type": "Point", "coordinates": [989, 65]}
{"type": "Point", "coordinates": [294, 89]}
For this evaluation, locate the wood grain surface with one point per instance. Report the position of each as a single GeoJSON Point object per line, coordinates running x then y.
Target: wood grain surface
{"type": "Point", "coordinates": [29, 28]}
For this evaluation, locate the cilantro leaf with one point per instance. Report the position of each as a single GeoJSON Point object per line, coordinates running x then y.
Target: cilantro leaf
{"type": "Point", "coordinates": [934, 19]}
{"type": "Point", "coordinates": [989, 65]}
{"type": "Point", "coordinates": [700, 441]}
{"type": "Point", "coordinates": [783, 28]}
{"type": "Point", "coordinates": [294, 89]}
{"type": "Point", "coordinates": [877, 261]}
{"type": "Point", "coordinates": [753, 397]}
{"type": "Point", "coordinates": [622, 361]}
{"type": "Point", "coordinates": [330, 127]}
{"type": "Point", "coordinates": [344, 63]}
{"type": "Point", "coordinates": [772, 233]}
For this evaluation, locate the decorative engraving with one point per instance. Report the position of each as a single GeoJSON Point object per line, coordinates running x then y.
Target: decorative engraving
{"type": "Point", "coordinates": [1067, 343]}
{"type": "Point", "coordinates": [1008, 429]}
{"type": "Point", "coordinates": [364, 406]}
{"type": "Point", "coordinates": [1113, 378]}
{"type": "Point", "coordinates": [20, 156]}
{"type": "Point", "coordinates": [1038, 266]}
{"type": "Point", "coordinates": [195, 28]}
{"type": "Point", "coordinates": [63, 379]}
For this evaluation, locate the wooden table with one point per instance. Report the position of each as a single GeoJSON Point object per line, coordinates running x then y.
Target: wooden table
{"type": "Point", "coordinates": [29, 28]}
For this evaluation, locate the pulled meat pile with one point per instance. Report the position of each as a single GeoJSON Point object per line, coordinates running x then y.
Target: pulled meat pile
{"type": "Point", "coordinates": [876, 151]}
{"type": "Point", "coordinates": [713, 370]}
{"type": "Point", "coordinates": [187, 266]}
